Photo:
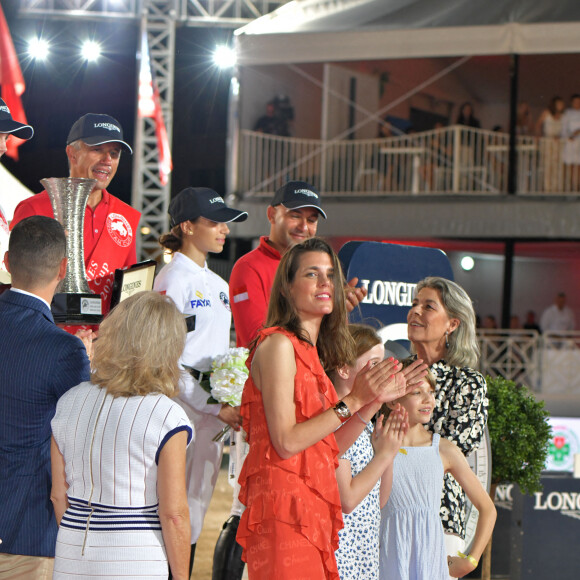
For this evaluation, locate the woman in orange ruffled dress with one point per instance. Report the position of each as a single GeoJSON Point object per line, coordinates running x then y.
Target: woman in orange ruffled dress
{"type": "Point", "coordinates": [295, 424]}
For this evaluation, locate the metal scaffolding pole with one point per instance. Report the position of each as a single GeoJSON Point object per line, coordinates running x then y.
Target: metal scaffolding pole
{"type": "Point", "coordinates": [149, 195]}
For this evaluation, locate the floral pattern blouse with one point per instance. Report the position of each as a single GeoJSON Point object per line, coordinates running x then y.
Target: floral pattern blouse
{"type": "Point", "coordinates": [460, 415]}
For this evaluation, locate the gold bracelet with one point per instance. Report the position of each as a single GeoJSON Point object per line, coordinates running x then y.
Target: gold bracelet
{"type": "Point", "coordinates": [469, 557]}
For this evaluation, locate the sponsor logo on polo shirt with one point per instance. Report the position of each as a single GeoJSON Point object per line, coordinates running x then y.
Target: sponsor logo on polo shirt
{"type": "Point", "coordinates": [225, 300]}
{"type": "Point", "coordinates": [200, 303]}
{"type": "Point", "coordinates": [119, 229]}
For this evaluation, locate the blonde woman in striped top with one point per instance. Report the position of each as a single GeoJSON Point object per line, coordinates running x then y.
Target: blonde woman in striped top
{"type": "Point", "coordinates": [118, 452]}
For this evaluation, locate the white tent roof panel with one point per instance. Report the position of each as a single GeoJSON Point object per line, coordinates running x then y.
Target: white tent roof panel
{"type": "Point", "coordinates": [324, 31]}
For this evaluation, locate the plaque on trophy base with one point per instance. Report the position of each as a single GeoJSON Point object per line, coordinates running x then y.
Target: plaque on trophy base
{"type": "Point", "coordinates": [74, 302]}
{"type": "Point", "coordinates": [76, 308]}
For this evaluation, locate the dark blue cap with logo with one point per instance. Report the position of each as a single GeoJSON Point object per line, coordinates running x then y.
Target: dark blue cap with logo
{"type": "Point", "coordinates": [96, 129]}
{"type": "Point", "coordinates": [194, 202]}
{"type": "Point", "coordinates": [296, 195]}
{"type": "Point", "coordinates": [9, 125]}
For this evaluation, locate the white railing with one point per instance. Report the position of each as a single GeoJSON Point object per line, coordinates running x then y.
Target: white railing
{"type": "Point", "coordinates": [547, 363]}
{"type": "Point", "coordinates": [451, 160]}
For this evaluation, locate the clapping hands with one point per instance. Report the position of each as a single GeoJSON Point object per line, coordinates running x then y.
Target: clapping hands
{"type": "Point", "coordinates": [389, 433]}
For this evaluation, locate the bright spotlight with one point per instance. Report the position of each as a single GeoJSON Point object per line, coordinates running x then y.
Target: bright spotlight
{"type": "Point", "coordinates": [224, 56]}
{"type": "Point", "coordinates": [38, 48]}
{"type": "Point", "coordinates": [467, 263]}
{"type": "Point", "coordinates": [91, 50]}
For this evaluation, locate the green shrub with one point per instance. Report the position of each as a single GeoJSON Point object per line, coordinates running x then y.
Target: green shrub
{"type": "Point", "coordinates": [519, 434]}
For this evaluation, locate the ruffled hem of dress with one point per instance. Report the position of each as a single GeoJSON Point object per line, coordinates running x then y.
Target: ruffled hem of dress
{"type": "Point", "coordinates": [300, 466]}
{"type": "Point", "coordinates": [291, 510]}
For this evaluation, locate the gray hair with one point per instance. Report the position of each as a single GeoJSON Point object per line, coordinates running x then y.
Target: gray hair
{"type": "Point", "coordinates": [463, 350]}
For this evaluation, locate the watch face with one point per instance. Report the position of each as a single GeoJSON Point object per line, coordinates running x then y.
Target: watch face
{"type": "Point", "coordinates": [480, 463]}
{"type": "Point", "coordinates": [342, 410]}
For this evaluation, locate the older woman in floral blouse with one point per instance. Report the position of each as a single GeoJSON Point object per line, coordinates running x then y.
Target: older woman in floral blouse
{"type": "Point", "coordinates": [441, 327]}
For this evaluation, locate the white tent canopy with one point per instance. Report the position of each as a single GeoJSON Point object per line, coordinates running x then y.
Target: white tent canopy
{"type": "Point", "coordinates": [331, 31]}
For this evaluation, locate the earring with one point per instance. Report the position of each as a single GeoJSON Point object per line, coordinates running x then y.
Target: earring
{"type": "Point", "coordinates": [446, 339]}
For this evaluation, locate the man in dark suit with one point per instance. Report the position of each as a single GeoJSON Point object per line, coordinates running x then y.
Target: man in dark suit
{"type": "Point", "coordinates": [38, 363]}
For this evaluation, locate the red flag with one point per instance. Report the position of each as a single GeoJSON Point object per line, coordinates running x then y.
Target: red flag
{"type": "Point", "coordinates": [150, 106]}
{"type": "Point", "coordinates": [12, 83]}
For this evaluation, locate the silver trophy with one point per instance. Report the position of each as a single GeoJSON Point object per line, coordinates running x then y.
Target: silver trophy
{"type": "Point", "coordinates": [74, 302]}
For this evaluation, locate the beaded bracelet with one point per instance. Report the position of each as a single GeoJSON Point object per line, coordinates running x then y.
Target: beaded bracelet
{"type": "Point", "coordinates": [468, 557]}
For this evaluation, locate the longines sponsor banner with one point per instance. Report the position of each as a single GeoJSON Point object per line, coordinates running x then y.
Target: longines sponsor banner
{"type": "Point", "coordinates": [390, 273]}
{"type": "Point", "coordinates": [503, 496]}
{"type": "Point", "coordinates": [545, 531]}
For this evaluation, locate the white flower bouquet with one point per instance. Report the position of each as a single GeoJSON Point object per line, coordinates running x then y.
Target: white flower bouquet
{"type": "Point", "coordinates": [226, 381]}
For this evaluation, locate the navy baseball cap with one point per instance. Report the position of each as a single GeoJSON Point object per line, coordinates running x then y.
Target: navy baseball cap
{"type": "Point", "coordinates": [194, 202]}
{"type": "Point", "coordinates": [96, 129]}
{"type": "Point", "coordinates": [9, 125]}
{"type": "Point", "coordinates": [296, 195]}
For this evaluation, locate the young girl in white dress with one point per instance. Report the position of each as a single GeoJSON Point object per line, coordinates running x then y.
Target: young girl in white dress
{"type": "Point", "coordinates": [411, 536]}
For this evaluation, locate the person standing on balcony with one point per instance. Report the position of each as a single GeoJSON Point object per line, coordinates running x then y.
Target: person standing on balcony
{"type": "Point", "coordinates": [571, 152]}
{"type": "Point", "coordinates": [441, 327]}
{"type": "Point", "coordinates": [523, 119]}
{"type": "Point", "coordinates": [549, 126]}
{"type": "Point", "coordinates": [530, 323]}
{"type": "Point", "coordinates": [471, 144]}
{"type": "Point", "coordinates": [558, 316]}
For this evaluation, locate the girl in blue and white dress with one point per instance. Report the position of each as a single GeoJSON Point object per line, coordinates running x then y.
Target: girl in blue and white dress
{"type": "Point", "coordinates": [412, 543]}
{"type": "Point", "coordinates": [360, 468]}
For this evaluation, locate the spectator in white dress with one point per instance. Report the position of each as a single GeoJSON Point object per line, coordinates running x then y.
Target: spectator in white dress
{"type": "Point", "coordinates": [571, 152]}
{"type": "Point", "coordinates": [558, 316]}
{"type": "Point", "coordinates": [118, 452]}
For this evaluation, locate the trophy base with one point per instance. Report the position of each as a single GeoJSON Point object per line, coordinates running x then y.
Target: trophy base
{"type": "Point", "coordinates": [77, 308]}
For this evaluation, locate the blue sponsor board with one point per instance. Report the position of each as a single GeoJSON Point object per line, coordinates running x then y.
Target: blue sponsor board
{"type": "Point", "coordinates": [390, 273]}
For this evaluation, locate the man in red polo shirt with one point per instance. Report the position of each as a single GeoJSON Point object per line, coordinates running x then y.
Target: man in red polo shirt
{"type": "Point", "coordinates": [93, 149]}
{"type": "Point", "coordinates": [293, 215]}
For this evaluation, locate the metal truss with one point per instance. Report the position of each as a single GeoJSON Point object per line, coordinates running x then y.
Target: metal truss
{"type": "Point", "coordinates": [224, 13]}
{"type": "Point", "coordinates": [150, 196]}
{"type": "Point", "coordinates": [82, 8]}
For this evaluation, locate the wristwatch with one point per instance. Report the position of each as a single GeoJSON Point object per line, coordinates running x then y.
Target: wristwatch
{"type": "Point", "coordinates": [342, 411]}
